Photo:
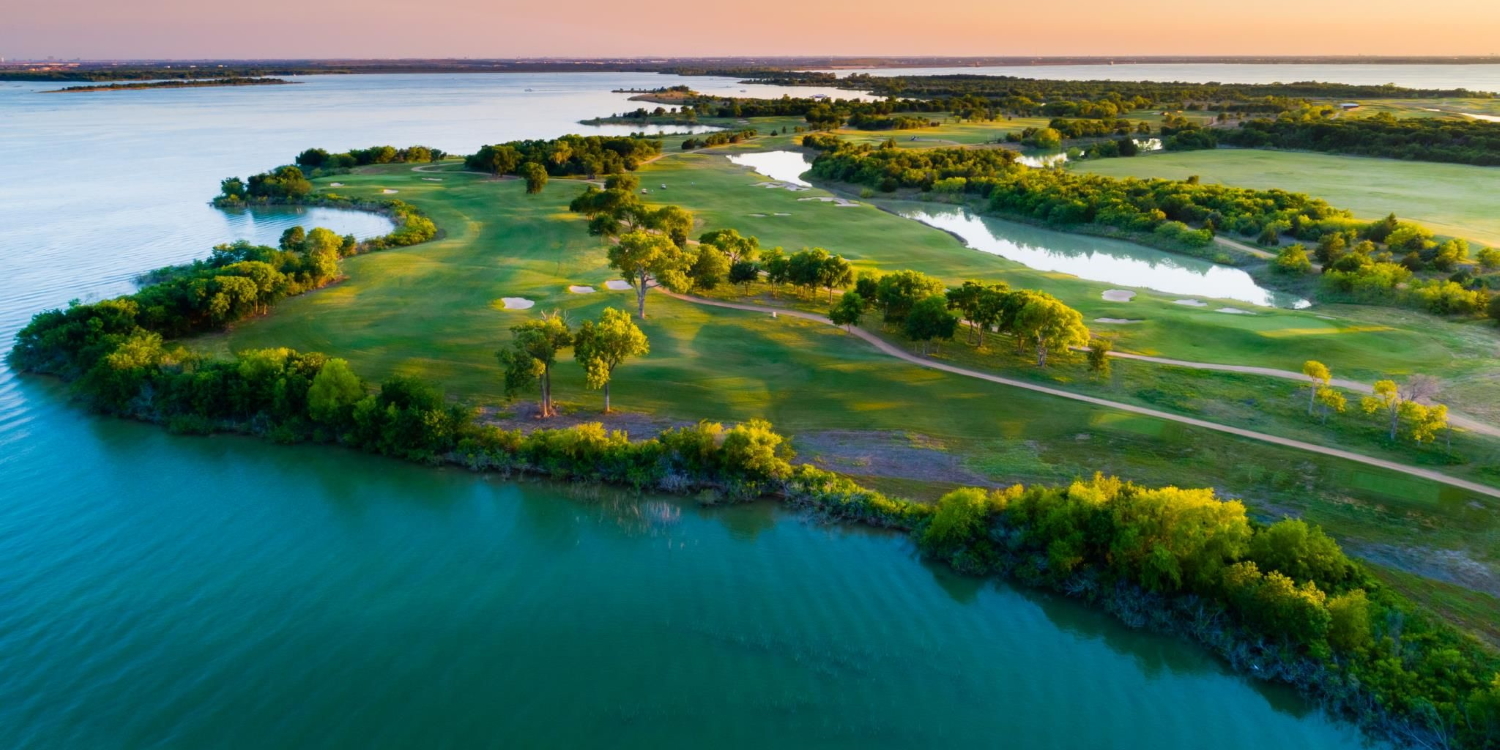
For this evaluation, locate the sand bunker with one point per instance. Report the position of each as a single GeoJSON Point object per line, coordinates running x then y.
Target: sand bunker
{"type": "Point", "coordinates": [1120, 321]}
{"type": "Point", "coordinates": [759, 216]}
{"type": "Point", "coordinates": [577, 289]}
{"type": "Point", "coordinates": [516, 303]}
{"type": "Point", "coordinates": [1119, 295]}
{"type": "Point", "coordinates": [618, 285]}
{"type": "Point", "coordinates": [1190, 302]}
{"type": "Point", "coordinates": [781, 214]}
{"type": "Point", "coordinates": [841, 202]}
{"type": "Point", "coordinates": [782, 186]}
{"type": "Point", "coordinates": [1234, 311]}
{"type": "Point", "coordinates": [432, 179]}
{"type": "Point", "coordinates": [389, 191]}
{"type": "Point", "coordinates": [335, 184]}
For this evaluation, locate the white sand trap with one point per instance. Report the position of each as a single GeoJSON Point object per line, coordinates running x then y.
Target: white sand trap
{"type": "Point", "coordinates": [432, 179]}
{"type": "Point", "coordinates": [774, 185]}
{"type": "Point", "coordinates": [781, 214]}
{"type": "Point", "coordinates": [618, 285]}
{"type": "Point", "coordinates": [759, 216]}
{"type": "Point", "coordinates": [576, 289]}
{"type": "Point", "coordinates": [1118, 321]}
{"type": "Point", "coordinates": [389, 191]}
{"type": "Point", "coordinates": [517, 303]}
{"type": "Point", "coordinates": [335, 184]}
{"type": "Point", "coordinates": [1234, 311]}
{"type": "Point", "coordinates": [841, 202]}
{"type": "Point", "coordinates": [1119, 295]}
{"type": "Point", "coordinates": [1190, 302]}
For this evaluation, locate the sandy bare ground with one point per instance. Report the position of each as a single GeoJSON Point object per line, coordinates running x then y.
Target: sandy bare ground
{"type": "Point", "coordinates": [886, 347]}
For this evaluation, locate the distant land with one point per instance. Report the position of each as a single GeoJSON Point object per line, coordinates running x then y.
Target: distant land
{"type": "Point", "coordinates": [179, 84]}
{"type": "Point", "coordinates": [127, 70]}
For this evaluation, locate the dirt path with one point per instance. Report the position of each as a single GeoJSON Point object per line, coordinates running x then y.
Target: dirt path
{"type": "Point", "coordinates": [886, 347]}
{"type": "Point", "coordinates": [1458, 420]}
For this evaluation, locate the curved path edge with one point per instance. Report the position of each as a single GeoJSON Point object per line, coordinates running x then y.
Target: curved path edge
{"type": "Point", "coordinates": [886, 347]}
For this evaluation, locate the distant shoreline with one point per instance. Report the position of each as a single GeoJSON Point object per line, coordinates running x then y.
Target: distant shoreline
{"type": "Point", "coordinates": [185, 84]}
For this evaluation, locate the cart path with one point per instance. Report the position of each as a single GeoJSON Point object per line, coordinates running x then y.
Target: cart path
{"type": "Point", "coordinates": [886, 347]}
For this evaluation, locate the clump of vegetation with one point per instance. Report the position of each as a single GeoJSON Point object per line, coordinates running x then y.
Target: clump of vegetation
{"type": "Point", "coordinates": [569, 155]}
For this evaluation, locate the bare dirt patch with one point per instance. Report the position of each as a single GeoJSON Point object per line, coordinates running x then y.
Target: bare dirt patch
{"type": "Point", "coordinates": [884, 454]}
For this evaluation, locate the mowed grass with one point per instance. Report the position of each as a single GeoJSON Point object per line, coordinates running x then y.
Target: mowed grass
{"type": "Point", "coordinates": [1457, 200]}
{"type": "Point", "coordinates": [431, 310]}
{"type": "Point", "coordinates": [1355, 341]}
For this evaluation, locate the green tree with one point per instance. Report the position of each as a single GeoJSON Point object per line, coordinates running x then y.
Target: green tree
{"type": "Point", "coordinates": [1293, 260]}
{"type": "Point", "coordinates": [744, 272]}
{"type": "Point", "coordinates": [1349, 621]}
{"type": "Point", "coordinates": [834, 273]}
{"type": "Point", "coordinates": [1331, 401]}
{"type": "Point", "coordinates": [1099, 348]}
{"type": "Point", "coordinates": [1319, 375]}
{"type": "Point", "coordinates": [897, 292]}
{"type": "Point", "coordinates": [646, 260]}
{"type": "Point", "coordinates": [1051, 326]}
{"type": "Point", "coordinates": [1301, 551]}
{"type": "Point", "coordinates": [848, 310]}
{"type": "Point", "coordinates": [1387, 398]}
{"type": "Point", "coordinates": [777, 266]}
{"type": "Point", "coordinates": [672, 221]}
{"type": "Point", "coordinates": [980, 304]}
{"type": "Point", "coordinates": [533, 350]}
{"type": "Point", "coordinates": [601, 347]}
{"type": "Point", "coordinates": [535, 176]}
{"type": "Point", "coordinates": [334, 392]}
{"type": "Point", "coordinates": [1494, 308]}
{"type": "Point", "coordinates": [735, 247]}
{"type": "Point", "coordinates": [710, 267]}
{"type": "Point", "coordinates": [930, 319]}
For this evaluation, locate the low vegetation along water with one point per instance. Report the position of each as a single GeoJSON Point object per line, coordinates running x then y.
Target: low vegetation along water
{"type": "Point", "coordinates": [197, 592]}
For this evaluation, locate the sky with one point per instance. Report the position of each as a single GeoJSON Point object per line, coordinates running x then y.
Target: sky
{"type": "Point", "coordinates": [193, 29]}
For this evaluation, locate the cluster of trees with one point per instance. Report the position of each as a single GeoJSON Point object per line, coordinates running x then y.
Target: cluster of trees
{"type": "Point", "coordinates": [177, 84]}
{"type": "Point", "coordinates": [1356, 269]}
{"type": "Point", "coordinates": [1415, 138]}
{"type": "Point", "coordinates": [1097, 128]}
{"type": "Point", "coordinates": [862, 121]}
{"type": "Point", "coordinates": [1282, 597]}
{"type": "Point", "coordinates": [598, 346]}
{"type": "Point", "coordinates": [718, 139]}
{"type": "Point", "coordinates": [1400, 408]}
{"type": "Point", "coordinates": [318, 160]}
{"type": "Point", "coordinates": [569, 155]}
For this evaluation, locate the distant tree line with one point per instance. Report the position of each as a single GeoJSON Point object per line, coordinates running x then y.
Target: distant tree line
{"type": "Point", "coordinates": [1415, 138]}
{"type": "Point", "coordinates": [177, 84]}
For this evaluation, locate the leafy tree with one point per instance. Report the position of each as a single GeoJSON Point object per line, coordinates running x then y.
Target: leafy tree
{"type": "Point", "coordinates": [497, 160]}
{"type": "Point", "coordinates": [1302, 552]}
{"type": "Point", "coordinates": [710, 267]}
{"type": "Point", "coordinates": [1489, 258]}
{"type": "Point", "coordinates": [1319, 375]}
{"type": "Point", "coordinates": [735, 247]}
{"type": "Point", "coordinates": [334, 392]}
{"type": "Point", "coordinates": [1331, 401]}
{"type": "Point", "coordinates": [848, 310]}
{"type": "Point", "coordinates": [292, 239]}
{"type": "Point", "coordinates": [834, 273]}
{"type": "Point", "coordinates": [980, 304]}
{"type": "Point", "coordinates": [646, 260]}
{"type": "Point", "coordinates": [1349, 621]}
{"type": "Point", "coordinates": [1099, 348]}
{"type": "Point", "coordinates": [1387, 398]}
{"type": "Point", "coordinates": [1293, 260]}
{"type": "Point", "coordinates": [601, 347]}
{"type": "Point", "coordinates": [777, 266]}
{"type": "Point", "coordinates": [744, 272]}
{"type": "Point", "coordinates": [1051, 326]}
{"type": "Point", "coordinates": [930, 319]}
{"type": "Point", "coordinates": [672, 221]}
{"type": "Point", "coordinates": [896, 293]}
{"type": "Point", "coordinates": [868, 286]}
{"type": "Point", "coordinates": [533, 350]}
{"type": "Point", "coordinates": [535, 176]}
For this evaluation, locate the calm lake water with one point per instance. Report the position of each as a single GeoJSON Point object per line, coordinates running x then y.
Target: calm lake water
{"type": "Point", "coordinates": [175, 592]}
{"type": "Point", "coordinates": [1476, 77]}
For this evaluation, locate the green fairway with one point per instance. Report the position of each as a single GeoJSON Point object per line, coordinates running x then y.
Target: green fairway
{"type": "Point", "coordinates": [432, 310]}
{"type": "Point", "coordinates": [1453, 199]}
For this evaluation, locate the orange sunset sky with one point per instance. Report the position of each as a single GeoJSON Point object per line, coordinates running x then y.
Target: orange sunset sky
{"type": "Point", "coordinates": [487, 28]}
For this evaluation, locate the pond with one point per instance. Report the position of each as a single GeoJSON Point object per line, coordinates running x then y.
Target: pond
{"type": "Point", "coordinates": [1101, 259]}
{"type": "Point", "coordinates": [782, 166]}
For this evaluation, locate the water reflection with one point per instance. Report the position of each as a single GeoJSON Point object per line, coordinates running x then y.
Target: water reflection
{"type": "Point", "coordinates": [1053, 160]}
{"type": "Point", "coordinates": [1096, 259]}
{"type": "Point", "coordinates": [784, 166]}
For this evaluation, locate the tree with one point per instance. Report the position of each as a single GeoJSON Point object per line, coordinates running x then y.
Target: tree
{"type": "Point", "coordinates": [1387, 398]}
{"type": "Point", "coordinates": [1099, 348]}
{"type": "Point", "coordinates": [867, 285]}
{"type": "Point", "coordinates": [601, 347]}
{"type": "Point", "coordinates": [292, 239]}
{"type": "Point", "coordinates": [1494, 308]}
{"type": "Point", "coordinates": [1051, 326]}
{"type": "Point", "coordinates": [1331, 401]}
{"type": "Point", "coordinates": [1425, 421]}
{"type": "Point", "coordinates": [734, 246]}
{"type": "Point", "coordinates": [535, 176]}
{"type": "Point", "coordinates": [743, 273]}
{"type": "Point", "coordinates": [532, 352]}
{"type": "Point", "coordinates": [897, 292]}
{"type": "Point", "coordinates": [1318, 373]}
{"type": "Point", "coordinates": [930, 319]}
{"type": "Point", "coordinates": [646, 260]}
{"type": "Point", "coordinates": [805, 267]}
{"type": "Point", "coordinates": [710, 267]}
{"type": "Point", "coordinates": [848, 310]}
{"type": "Point", "coordinates": [1292, 260]}
{"type": "Point", "coordinates": [1489, 258]}
{"type": "Point", "coordinates": [334, 392]}
{"type": "Point", "coordinates": [980, 304]}
{"type": "Point", "coordinates": [497, 160]}
{"type": "Point", "coordinates": [777, 267]}
{"type": "Point", "coordinates": [672, 221]}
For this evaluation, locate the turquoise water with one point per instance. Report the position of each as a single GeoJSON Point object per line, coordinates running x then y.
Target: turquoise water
{"type": "Point", "coordinates": [162, 591]}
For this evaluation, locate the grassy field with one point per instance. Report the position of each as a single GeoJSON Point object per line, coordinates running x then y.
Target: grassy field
{"type": "Point", "coordinates": [1453, 199]}
{"type": "Point", "coordinates": [431, 310]}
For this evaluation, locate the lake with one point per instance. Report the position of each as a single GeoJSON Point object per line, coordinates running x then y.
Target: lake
{"type": "Point", "coordinates": [164, 591]}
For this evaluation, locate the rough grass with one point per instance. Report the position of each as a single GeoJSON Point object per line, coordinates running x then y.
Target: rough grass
{"type": "Point", "coordinates": [1453, 199]}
